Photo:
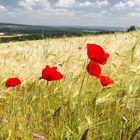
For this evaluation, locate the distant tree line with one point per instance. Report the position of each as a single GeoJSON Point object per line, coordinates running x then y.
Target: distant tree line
{"type": "Point", "coordinates": [25, 37]}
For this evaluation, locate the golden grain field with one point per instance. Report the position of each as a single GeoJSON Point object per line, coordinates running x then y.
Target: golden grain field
{"type": "Point", "coordinates": [77, 107]}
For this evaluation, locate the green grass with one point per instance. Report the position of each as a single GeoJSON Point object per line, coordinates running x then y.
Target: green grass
{"type": "Point", "coordinates": [77, 107]}
{"type": "Point", "coordinates": [12, 35]}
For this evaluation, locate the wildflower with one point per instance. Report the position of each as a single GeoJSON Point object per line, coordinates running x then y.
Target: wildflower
{"type": "Point", "coordinates": [105, 80]}
{"type": "Point", "coordinates": [51, 74]}
{"type": "Point", "coordinates": [97, 54]}
{"type": "Point", "coordinates": [93, 68]}
{"type": "Point", "coordinates": [80, 48]}
{"type": "Point", "coordinates": [12, 82]}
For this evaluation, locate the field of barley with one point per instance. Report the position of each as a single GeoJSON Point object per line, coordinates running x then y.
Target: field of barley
{"type": "Point", "coordinates": [77, 107]}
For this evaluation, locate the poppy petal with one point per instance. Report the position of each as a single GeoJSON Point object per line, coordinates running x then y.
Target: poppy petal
{"type": "Point", "coordinates": [93, 68]}
{"type": "Point", "coordinates": [51, 74]}
{"type": "Point", "coordinates": [105, 80]}
{"type": "Point", "coordinates": [97, 54]}
{"type": "Point", "coordinates": [12, 82]}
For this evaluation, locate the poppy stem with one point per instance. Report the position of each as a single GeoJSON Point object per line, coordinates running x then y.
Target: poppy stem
{"type": "Point", "coordinates": [14, 112]}
{"type": "Point", "coordinates": [80, 90]}
{"type": "Point", "coordinates": [50, 112]}
{"type": "Point", "coordinates": [14, 91]}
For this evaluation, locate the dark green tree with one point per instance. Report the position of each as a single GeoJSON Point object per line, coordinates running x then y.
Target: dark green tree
{"type": "Point", "coordinates": [131, 28]}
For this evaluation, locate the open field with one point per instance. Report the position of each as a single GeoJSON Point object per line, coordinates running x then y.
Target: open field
{"type": "Point", "coordinates": [12, 35]}
{"type": "Point", "coordinates": [77, 107]}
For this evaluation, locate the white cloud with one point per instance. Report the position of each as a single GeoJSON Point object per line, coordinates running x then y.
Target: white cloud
{"type": "Point", "coordinates": [102, 3]}
{"type": "Point", "coordinates": [97, 3]}
{"type": "Point", "coordinates": [127, 4]}
{"type": "Point", "coordinates": [119, 5]}
{"type": "Point", "coordinates": [95, 15]}
{"type": "Point", "coordinates": [3, 12]}
{"type": "Point", "coordinates": [137, 9]}
{"type": "Point", "coordinates": [134, 14]}
{"type": "Point", "coordinates": [29, 4]}
{"type": "Point", "coordinates": [131, 3]}
{"type": "Point", "coordinates": [2, 8]}
{"type": "Point", "coordinates": [54, 12]}
{"type": "Point", "coordinates": [65, 3]}
{"type": "Point", "coordinates": [86, 4]}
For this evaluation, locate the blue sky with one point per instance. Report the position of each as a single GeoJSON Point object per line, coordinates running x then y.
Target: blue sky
{"type": "Point", "coordinates": [119, 13]}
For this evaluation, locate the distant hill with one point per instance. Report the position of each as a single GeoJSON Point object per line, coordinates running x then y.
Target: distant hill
{"type": "Point", "coordinates": [21, 32]}
{"type": "Point", "coordinates": [51, 30]}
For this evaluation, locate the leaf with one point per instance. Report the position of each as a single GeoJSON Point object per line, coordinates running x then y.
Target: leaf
{"type": "Point", "coordinates": [57, 112]}
{"type": "Point", "coordinates": [85, 135]}
{"type": "Point", "coordinates": [135, 132]}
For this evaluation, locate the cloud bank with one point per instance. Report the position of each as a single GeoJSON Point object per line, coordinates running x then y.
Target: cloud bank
{"type": "Point", "coordinates": [72, 12]}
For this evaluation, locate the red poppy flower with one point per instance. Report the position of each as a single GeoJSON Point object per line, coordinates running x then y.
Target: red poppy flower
{"type": "Point", "coordinates": [51, 74]}
{"type": "Point", "coordinates": [80, 48]}
{"type": "Point", "coordinates": [12, 82]}
{"type": "Point", "coordinates": [97, 54]}
{"type": "Point", "coordinates": [105, 80]}
{"type": "Point", "coordinates": [93, 68]}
